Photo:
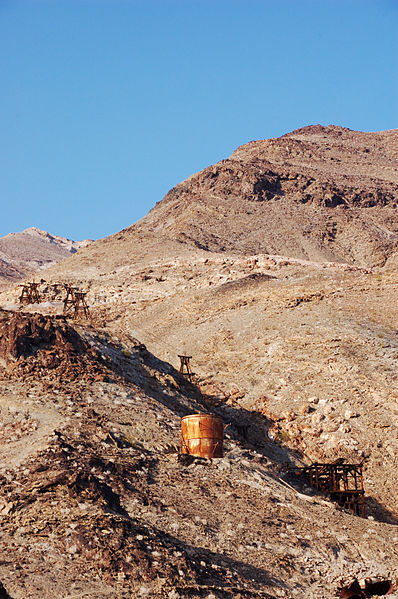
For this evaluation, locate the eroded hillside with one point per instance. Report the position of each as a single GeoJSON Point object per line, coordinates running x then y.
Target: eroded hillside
{"type": "Point", "coordinates": [276, 270]}
{"type": "Point", "coordinates": [95, 501]}
{"type": "Point", "coordinates": [320, 193]}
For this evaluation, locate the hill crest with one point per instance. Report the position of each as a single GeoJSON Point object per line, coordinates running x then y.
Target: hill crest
{"type": "Point", "coordinates": [317, 193]}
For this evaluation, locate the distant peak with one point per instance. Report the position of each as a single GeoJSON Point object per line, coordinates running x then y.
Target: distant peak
{"type": "Point", "coordinates": [36, 231]}
{"type": "Point", "coordinates": [43, 236]}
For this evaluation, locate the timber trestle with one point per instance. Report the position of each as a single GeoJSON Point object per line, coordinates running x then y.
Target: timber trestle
{"type": "Point", "coordinates": [74, 303]}
{"type": "Point", "coordinates": [29, 294]}
{"type": "Point", "coordinates": [342, 482]}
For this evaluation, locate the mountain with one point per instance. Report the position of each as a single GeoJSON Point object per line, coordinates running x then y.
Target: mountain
{"type": "Point", "coordinates": [294, 345]}
{"type": "Point", "coordinates": [318, 193]}
{"type": "Point", "coordinates": [277, 330]}
{"type": "Point", "coordinates": [32, 250]}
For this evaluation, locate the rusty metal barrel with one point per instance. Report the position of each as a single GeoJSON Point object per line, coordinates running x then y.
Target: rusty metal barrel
{"type": "Point", "coordinates": [202, 435]}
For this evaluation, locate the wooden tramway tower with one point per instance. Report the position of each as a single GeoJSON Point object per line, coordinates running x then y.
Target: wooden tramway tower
{"type": "Point", "coordinates": [69, 301]}
{"type": "Point", "coordinates": [185, 366]}
{"type": "Point", "coordinates": [75, 303]}
{"type": "Point", "coordinates": [29, 294]}
{"type": "Point", "coordinates": [81, 307]}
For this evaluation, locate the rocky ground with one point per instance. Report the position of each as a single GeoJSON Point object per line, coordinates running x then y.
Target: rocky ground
{"type": "Point", "coordinates": [282, 347]}
{"type": "Point", "coordinates": [97, 502]}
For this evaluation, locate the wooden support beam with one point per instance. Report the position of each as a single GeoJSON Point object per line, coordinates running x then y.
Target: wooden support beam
{"type": "Point", "coordinates": [185, 366]}
{"type": "Point", "coordinates": [75, 303]}
{"type": "Point", "coordinates": [30, 294]}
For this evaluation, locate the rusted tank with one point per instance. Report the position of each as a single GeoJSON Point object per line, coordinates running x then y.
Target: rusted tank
{"type": "Point", "coordinates": [202, 435]}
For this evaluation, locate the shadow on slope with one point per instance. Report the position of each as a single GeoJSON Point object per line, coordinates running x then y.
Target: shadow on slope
{"type": "Point", "coordinates": [37, 346]}
{"type": "Point", "coordinates": [380, 512]}
{"type": "Point", "coordinates": [162, 382]}
{"type": "Point", "coordinates": [113, 542]}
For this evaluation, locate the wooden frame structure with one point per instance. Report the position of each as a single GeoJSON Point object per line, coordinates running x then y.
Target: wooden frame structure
{"type": "Point", "coordinates": [343, 482]}
{"type": "Point", "coordinates": [69, 301]}
{"type": "Point", "coordinates": [75, 303]}
{"type": "Point", "coordinates": [185, 366]}
{"type": "Point", "coordinates": [29, 294]}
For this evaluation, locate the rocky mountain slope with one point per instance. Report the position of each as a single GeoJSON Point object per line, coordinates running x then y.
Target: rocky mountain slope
{"type": "Point", "coordinates": [319, 193]}
{"type": "Point", "coordinates": [95, 501]}
{"type": "Point", "coordinates": [298, 356]}
{"type": "Point", "coordinates": [31, 250]}
{"type": "Point", "coordinates": [312, 344]}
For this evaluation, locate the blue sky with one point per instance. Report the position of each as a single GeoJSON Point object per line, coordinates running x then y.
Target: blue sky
{"type": "Point", "coordinates": [106, 105]}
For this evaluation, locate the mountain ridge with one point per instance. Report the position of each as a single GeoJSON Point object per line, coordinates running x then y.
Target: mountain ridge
{"type": "Point", "coordinates": [32, 250]}
{"type": "Point", "coordinates": [326, 199]}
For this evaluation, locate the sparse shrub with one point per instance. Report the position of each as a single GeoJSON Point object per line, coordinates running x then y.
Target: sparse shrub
{"type": "Point", "coordinates": [283, 437]}
{"type": "Point", "coordinates": [129, 440]}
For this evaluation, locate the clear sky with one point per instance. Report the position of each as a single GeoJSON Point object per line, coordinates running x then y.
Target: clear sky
{"type": "Point", "coordinates": [106, 104]}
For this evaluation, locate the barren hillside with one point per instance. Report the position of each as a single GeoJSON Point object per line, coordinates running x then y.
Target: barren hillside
{"type": "Point", "coordinates": [95, 501]}
{"type": "Point", "coordinates": [319, 193]}
{"type": "Point", "coordinates": [276, 270]}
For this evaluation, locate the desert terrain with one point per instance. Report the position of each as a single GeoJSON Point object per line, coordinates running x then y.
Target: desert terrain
{"type": "Point", "coordinates": [30, 251]}
{"type": "Point", "coordinates": [276, 270]}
